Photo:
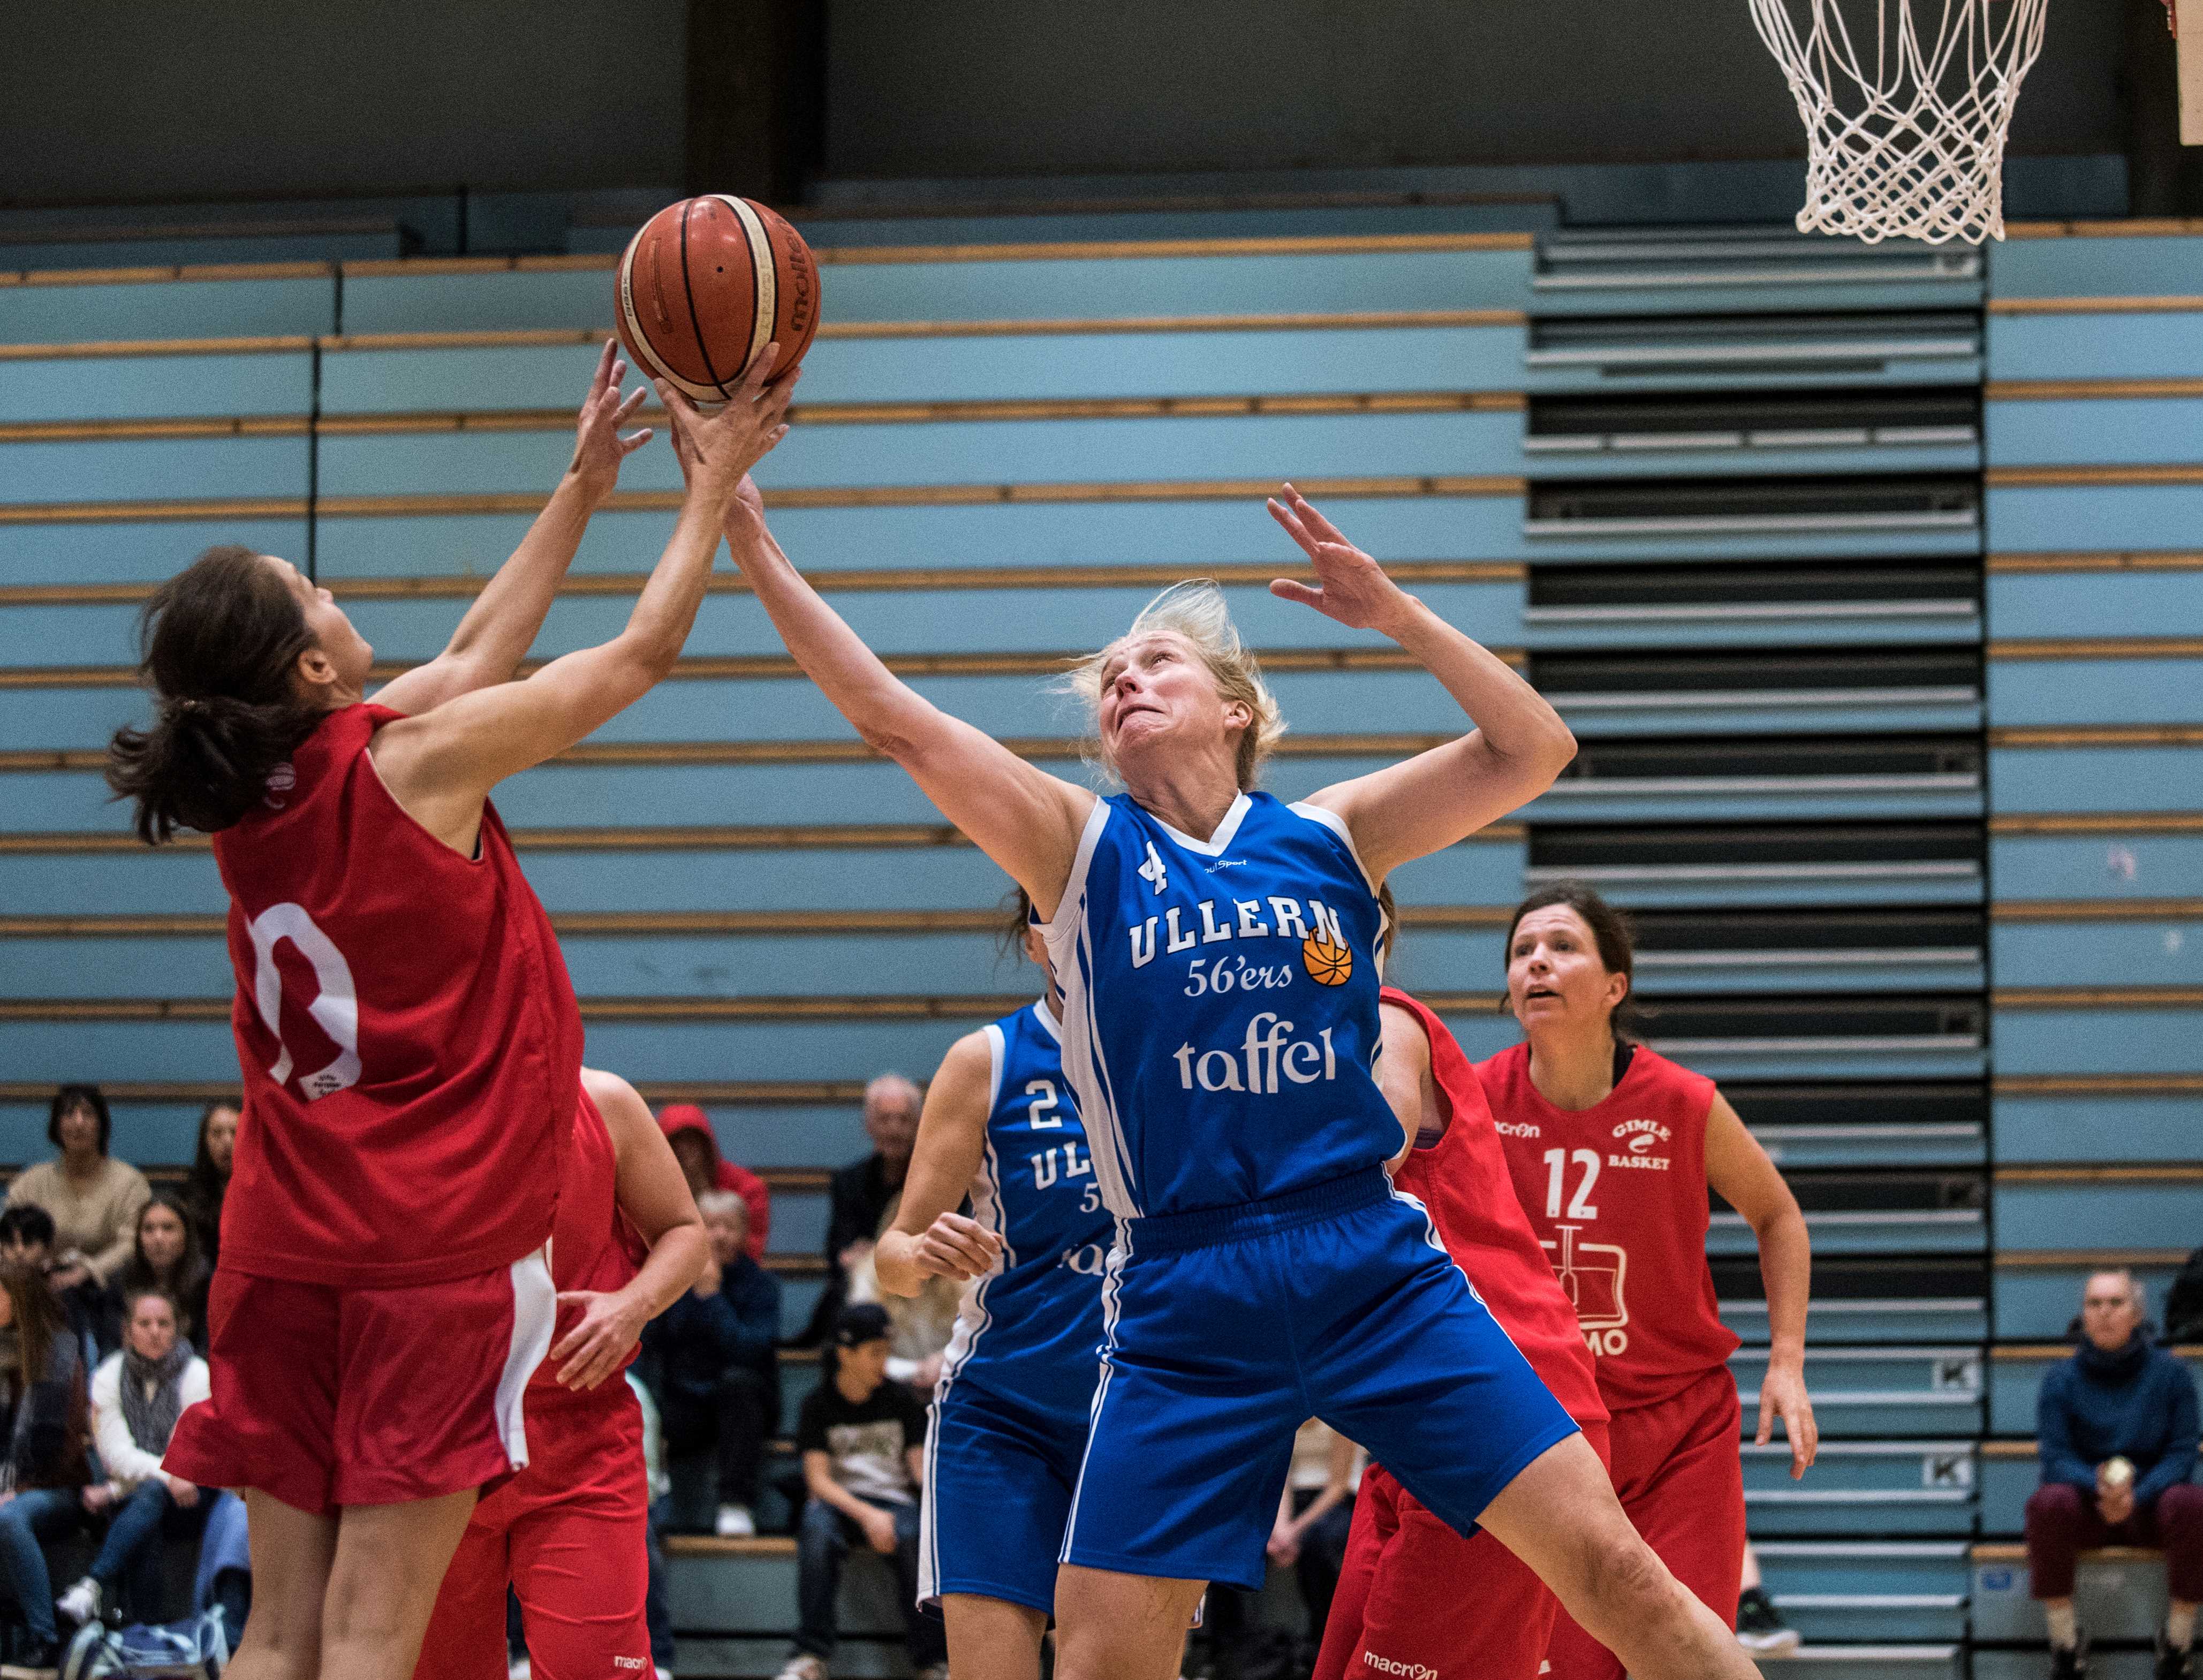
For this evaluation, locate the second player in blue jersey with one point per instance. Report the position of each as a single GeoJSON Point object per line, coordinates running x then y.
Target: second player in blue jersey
{"type": "Point", "coordinates": [1000, 1135]}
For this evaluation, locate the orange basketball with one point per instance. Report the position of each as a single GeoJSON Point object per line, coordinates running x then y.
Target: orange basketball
{"type": "Point", "coordinates": [706, 285]}
{"type": "Point", "coordinates": [1327, 965]}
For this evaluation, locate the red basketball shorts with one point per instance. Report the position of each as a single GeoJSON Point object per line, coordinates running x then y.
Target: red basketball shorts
{"type": "Point", "coordinates": [1681, 1480]}
{"type": "Point", "coordinates": [325, 1397]}
{"type": "Point", "coordinates": [1418, 1602]}
{"type": "Point", "coordinates": [570, 1536]}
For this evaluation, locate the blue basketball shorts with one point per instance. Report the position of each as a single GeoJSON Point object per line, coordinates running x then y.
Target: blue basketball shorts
{"type": "Point", "coordinates": [1000, 1473]}
{"type": "Point", "coordinates": [1228, 1327]}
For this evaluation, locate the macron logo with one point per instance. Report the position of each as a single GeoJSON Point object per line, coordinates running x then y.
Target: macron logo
{"type": "Point", "coordinates": [1393, 1666]}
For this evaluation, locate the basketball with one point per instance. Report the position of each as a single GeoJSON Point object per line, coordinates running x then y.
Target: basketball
{"type": "Point", "coordinates": [1327, 965]}
{"type": "Point", "coordinates": [706, 285]}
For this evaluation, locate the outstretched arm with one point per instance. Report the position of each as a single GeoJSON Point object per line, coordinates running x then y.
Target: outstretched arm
{"type": "Point", "coordinates": [1516, 746]}
{"type": "Point", "coordinates": [1026, 820]}
{"type": "Point", "coordinates": [930, 1238]}
{"type": "Point", "coordinates": [501, 625]}
{"type": "Point", "coordinates": [1743, 1177]}
{"type": "Point", "coordinates": [440, 765]}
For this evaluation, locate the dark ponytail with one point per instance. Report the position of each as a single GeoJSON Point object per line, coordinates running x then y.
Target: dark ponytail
{"type": "Point", "coordinates": [1610, 931]}
{"type": "Point", "coordinates": [219, 642]}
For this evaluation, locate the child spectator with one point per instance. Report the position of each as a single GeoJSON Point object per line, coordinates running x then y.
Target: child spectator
{"type": "Point", "coordinates": [43, 1422]}
{"type": "Point", "coordinates": [689, 1129]}
{"type": "Point", "coordinates": [165, 1256]}
{"type": "Point", "coordinates": [712, 1364]}
{"type": "Point", "coordinates": [137, 1395]}
{"type": "Point", "coordinates": [209, 1182]}
{"type": "Point", "coordinates": [863, 1441]}
{"type": "Point", "coordinates": [2116, 1428]}
{"type": "Point", "coordinates": [93, 1198]}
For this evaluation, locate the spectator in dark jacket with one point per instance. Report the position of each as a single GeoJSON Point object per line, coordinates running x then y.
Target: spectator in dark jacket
{"type": "Point", "coordinates": [713, 1366]}
{"type": "Point", "coordinates": [164, 1256]}
{"type": "Point", "coordinates": [208, 1186]}
{"type": "Point", "coordinates": [44, 1418]}
{"type": "Point", "coordinates": [2116, 1427]}
{"type": "Point", "coordinates": [26, 1239]}
{"type": "Point", "coordinates": [859, 1194]}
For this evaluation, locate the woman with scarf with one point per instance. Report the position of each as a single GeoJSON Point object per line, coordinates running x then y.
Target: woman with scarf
{"type": "Point", "coordinates": [42, 1425]}
{"type": "Point", "coordinates": [137, 1394]}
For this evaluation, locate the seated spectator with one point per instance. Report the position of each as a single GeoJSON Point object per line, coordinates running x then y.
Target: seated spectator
{"type": "Point", "coordinates": [93, 1197]}
{"type": "Point", "coordinates": [209, 1182]}
{"type": "Point", "coordinates": [712, 1364]}
{"type": "Point", "coordinates": [863, 1441]}
{"type": "Point", "coordinates": [137, 1395]}
{"type": "Point", "coordinates": [26, 1239]}
{"type": "Point", "coordinates": [861, 1193]}
{"type": "Point", "coordinates": [2183, 1302]}
{"type": "Point", "coordinates": [696, 1147]}
{"type": "Point", "coordinates": [43, 1424]}
{"type": "Point", "coordinates": [165, 1256]}
{"type": "Point", "coordinates": [2116, 1427]}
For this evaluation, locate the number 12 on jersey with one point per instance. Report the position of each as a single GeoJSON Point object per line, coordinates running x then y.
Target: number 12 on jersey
{"type": "Point", "coordinates": [1556, 1166]}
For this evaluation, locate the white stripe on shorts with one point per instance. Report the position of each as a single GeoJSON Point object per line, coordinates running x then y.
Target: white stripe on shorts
{"type": "Point", "coordinates": [535, 1315]}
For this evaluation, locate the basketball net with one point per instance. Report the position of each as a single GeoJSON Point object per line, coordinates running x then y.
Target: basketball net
{"type": "Point", "coordinates": [1905, 126]}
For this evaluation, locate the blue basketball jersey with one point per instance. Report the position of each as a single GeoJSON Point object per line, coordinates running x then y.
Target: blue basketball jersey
{"type": "Point", "coordinates": [1220, 1005]}
{"type": "Point", "coordinates": [1032, 1328]}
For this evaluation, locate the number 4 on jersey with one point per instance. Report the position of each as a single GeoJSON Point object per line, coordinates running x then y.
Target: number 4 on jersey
{"type": "Point", "coordinates": [1153, 870]}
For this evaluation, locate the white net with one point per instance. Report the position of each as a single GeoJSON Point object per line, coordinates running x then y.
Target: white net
{"type": "Point", "coordinates": [1906, 105]}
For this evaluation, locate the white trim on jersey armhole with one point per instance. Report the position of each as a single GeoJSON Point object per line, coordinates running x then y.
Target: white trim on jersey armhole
{"type": "Point", "coordinates": [1046, 1017]}
{"type": "Point", "coordinates": [1332, 821]}
{"type": "Point", "coordinates": [998, 1054]}
{"type": "Point", "coordinates": [1060, 929]}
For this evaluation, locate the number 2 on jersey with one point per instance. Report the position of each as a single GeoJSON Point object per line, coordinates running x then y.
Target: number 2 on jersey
{"type": "Point", "coordinates": [1556, 1162]}
{"type": "Point", "coordinates": [1042, 1092]}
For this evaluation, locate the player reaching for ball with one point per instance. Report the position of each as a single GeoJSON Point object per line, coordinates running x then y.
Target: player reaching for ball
{"type": "Point", "coordinates": [1001, 1127]}
{"type": "Point", "coordinates": [410, 1043]}
{"type": "Point", "coordinates": [1217, 950]}
{"type": "Point", "coordinates": [1413, 1595]}
{"type": "Point", "coordinates": [1611, 1148]}
{"type": "Point", "coordinates": [570, 1533]}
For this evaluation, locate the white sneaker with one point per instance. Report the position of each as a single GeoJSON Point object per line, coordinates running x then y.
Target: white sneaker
{"type": "Point", "coordinates": [736, 1523]}
{"type": "Point", "coordinates": [662, 1673]}
{"type": "Point", "coordinates": [521, 1667]}
{"type": "Point", "coordinates": [80, 1603]}
{"type": "Point", "coordinates": [803, 1666]}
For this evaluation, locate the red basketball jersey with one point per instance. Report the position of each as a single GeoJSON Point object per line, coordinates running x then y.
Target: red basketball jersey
{"type": "Point", "coordinates": [1463, 1180]}
{"type": "Point", "coordinates": [592, 1246]}
{"type": "Point", "coordinates": [1617, 1193]}
{"type": "Point", "coordinates": [410, 1042]}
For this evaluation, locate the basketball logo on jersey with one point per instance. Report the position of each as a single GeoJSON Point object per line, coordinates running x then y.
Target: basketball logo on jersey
{"type": "Point", "coordinates": [1594, 1275]}
{"type": "Point", "coordinates": [1328, 964]}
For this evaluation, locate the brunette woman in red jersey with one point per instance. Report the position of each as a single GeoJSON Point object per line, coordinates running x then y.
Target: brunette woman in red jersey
{"type": "Point", "coordinates": [570, 1533]}
{"type": "Point", "coordinates": [410, 1040]}
{"type": "Point", "coordinates": [1414, 1596]}
{"type": "Point", "coordinates": [1611, 1148]}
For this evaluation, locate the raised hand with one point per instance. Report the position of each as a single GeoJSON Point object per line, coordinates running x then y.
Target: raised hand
{"type": "Point", "coordinates": [717, 450]}
{"type": "Point", "coordinates": [1350, 587]}
{"type": "Point", "coordinates": [599, 448]}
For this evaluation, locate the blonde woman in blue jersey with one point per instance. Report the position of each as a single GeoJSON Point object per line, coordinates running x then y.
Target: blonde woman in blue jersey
{"type": "Point", "coordinates": [1001, 1128]}
{"type": "Point", "coordinates": [1218, 955]}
